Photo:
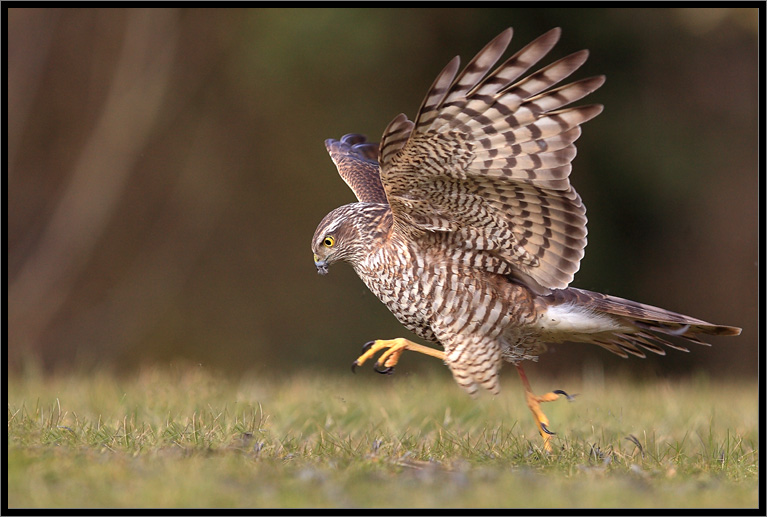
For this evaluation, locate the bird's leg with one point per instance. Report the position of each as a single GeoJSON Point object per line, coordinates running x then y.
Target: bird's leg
{"type": "Point", "coordinates": [533, 402]}
{"type": "Point", "coordinates": [394, 349]}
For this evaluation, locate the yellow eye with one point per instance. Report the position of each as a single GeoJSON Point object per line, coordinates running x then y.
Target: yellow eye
{"type": "Point", "coordinates": [328, 241]}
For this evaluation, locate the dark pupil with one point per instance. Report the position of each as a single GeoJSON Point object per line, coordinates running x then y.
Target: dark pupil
{"type": "Point", "coordinates": [328, 242]}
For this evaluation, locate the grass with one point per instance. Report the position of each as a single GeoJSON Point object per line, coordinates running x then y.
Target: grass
{"type": "Point", "coordinates": [185, 437]}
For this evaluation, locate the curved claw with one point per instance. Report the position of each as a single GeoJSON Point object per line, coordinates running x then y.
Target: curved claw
{"type": "Point", "coordinates": [355, 364]}
{"type": "Point", "coordinates": [546, 429]}
{"type": "Point", "coordinates": [367, 346]}
{"type": "Point", "coordinates": [570, 398]}
{"type": "Point", "coordinates": [385, 370]}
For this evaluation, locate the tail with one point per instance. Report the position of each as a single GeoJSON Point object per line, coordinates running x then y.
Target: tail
{"type": "Point", "coordinates": [619, 325]}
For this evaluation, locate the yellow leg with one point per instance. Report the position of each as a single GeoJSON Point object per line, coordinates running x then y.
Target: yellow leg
{"type": "Point", "coordinates": [393, 350]}
{"type": "Point", "coordinates": [533, 402]}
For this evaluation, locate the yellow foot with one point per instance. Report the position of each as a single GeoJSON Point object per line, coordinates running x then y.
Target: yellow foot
{"type": "Point", "coordinates": [534, 401]}
{"type": "Point", "coordinates": [393, 350]}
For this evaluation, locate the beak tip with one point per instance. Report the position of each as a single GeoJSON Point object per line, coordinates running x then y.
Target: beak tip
{"type": "Point", "coordinates": [322, 267]}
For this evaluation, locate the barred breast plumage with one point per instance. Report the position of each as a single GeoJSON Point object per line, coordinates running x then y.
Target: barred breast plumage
{"type": "Point", "coordinates": [437, 292]}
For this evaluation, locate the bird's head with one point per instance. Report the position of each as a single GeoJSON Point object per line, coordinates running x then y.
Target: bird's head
{"type": "Point", "coordinates": [347, 233]}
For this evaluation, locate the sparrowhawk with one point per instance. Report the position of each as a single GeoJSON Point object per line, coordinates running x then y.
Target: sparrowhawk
{"type": "Point", "coordinates": [468, 229]}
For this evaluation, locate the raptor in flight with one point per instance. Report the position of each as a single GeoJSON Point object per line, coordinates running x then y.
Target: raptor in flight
{"type": "Point", "coordinates": [468, 229]}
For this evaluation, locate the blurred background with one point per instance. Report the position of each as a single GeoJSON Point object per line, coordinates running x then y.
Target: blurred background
{"type": "Point", "coordinates": [166, 172]}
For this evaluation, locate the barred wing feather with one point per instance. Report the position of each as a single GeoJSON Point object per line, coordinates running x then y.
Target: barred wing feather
{"type": "Point", "coordinates": [486, 163]}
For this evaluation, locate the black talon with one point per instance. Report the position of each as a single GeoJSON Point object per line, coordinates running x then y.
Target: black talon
{"type": "Point", "coordinates": [367, 346]}
{"type": "Point", "coordinates": [563, 392]}
{"type": "Point", "coordinates": [546, 429]}
{"type": "Point", "coordinates": [385, 370]}
{"type": "Point", "coordinates": [355, 364]}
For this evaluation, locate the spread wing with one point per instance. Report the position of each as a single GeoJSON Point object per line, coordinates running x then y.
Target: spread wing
{"type": "Point", "coordinates": [356, 160]}
{"type": "Point", "coordinates": [486, 163]}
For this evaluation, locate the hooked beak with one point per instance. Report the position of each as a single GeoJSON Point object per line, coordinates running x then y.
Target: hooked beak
{"type": "Point", "coordinates": [322, 265]}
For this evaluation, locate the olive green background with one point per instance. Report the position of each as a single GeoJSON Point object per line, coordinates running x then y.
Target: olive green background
{"type": "Point", "coordinates": [166, 171]}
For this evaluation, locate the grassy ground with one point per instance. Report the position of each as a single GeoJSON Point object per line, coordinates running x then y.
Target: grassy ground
{"type": "Point", "coordinates": [184, 437]}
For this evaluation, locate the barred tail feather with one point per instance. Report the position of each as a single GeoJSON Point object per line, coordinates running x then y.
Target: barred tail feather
{"type": "Point", "coordinates": [622, 326]}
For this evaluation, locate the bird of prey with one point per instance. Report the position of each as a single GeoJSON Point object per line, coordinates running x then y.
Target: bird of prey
{"type": "Point", "coordinates": [468, 229]}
